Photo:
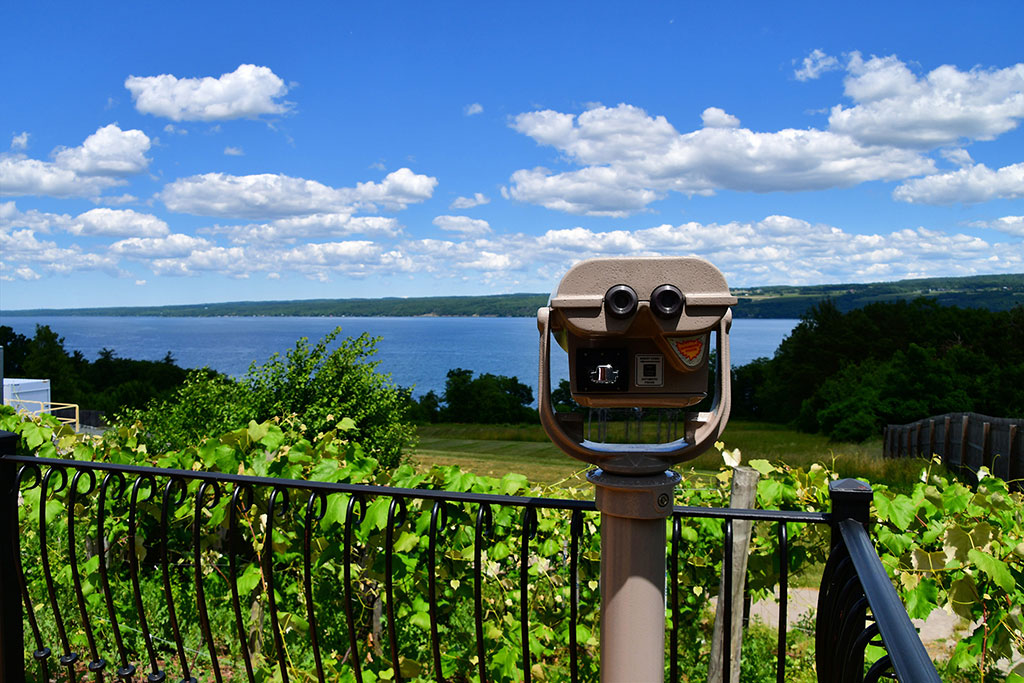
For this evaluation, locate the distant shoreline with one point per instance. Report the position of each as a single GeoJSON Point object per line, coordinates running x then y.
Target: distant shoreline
{"type": "Point", "coordinates": [992, 292]}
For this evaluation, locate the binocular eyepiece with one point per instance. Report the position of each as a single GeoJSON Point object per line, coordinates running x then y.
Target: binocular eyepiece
{"type": "Point", "coordinates": [621, 301]}
{"type": "Point", "coordinates": [626, 351]}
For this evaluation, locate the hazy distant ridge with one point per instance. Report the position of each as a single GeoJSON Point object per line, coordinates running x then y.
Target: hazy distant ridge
{"type": "Point", "coordinates": [993, 292]}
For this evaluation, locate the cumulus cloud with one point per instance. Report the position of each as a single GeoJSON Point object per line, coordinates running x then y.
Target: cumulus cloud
{"type": "Point", "coordinates": [478, 199]}
{"type": "Point", "coordinates": [12, 218]}
{"type": "Point", "coordinates": [896, 107]}
{"type": "Point", "coordinates": [159, 247]}
{"type": "Point", "coordinates": [19, 141]}
{"type": "Point", "coordinates": [270, 195]}
{"type": "Point", "coordinates": [713, 117]}
{"type": "Point", "coordinates": [21, 250]}
{"type": "Point", "coordinates": [234, 151]}
{"type": "Point", "coordinates": [473, 109]}
{"type": "Point", "coordinates": [463, 225]}
{"type": "Point", "coordinates": [1011, 225]}
{"type": "Point", "coordinates": [773, 250]}
{"type": "Point", "coordinates": [118, 223]}
{"type": "Point", "coordinates": [398, 189]}
{"type": "Point", "coordinates": [101, 161]}
{"type": "Point", "coordinates": [972, 184]}
{"type": "Point", "coordinates": [815, 64]}
{"type": "Point", "coordinates": [314, 260]}
{"type": "Point", "coordinates": [625, 158]}
{"type": "Point", "coordinates": [290, 230]}
{"type": "Point", "coordinates": [248, 92]}
{"type": "Point", "coordinates": [630, 159]}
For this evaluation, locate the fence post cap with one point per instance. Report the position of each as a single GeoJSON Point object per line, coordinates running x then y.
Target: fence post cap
{"type": "Point", "coordinates": [849, 487]}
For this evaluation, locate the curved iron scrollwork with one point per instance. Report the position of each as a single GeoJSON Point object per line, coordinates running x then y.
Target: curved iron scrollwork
{"type": "Point", "coordinates": [168, 519]}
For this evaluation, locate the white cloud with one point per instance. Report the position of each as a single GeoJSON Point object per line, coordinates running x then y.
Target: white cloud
{"type": "Point", "coordinates": [99, 162]}
{"type": "Point", "coordinates": [270, 195]}
{"type": "Point", "coordinates": [22, 249]}
{"type": "Point", "coordinates": [314, 260]}
{"type": "Point", "coordinates": [957, 155]}
{"type": "Point", "coordinates": [109, 151]}
{"type": "Point", "coordinates": [118, 223]}
{"type": "Point", "coordinates": [895, 107]}
{"type": "Point", "coordinates": [815, 64]}
{"type": "Point", "coordinates": [289, 230]}
{"type": "Point", "coordinates": [250, 196]}
{"type": "Point", "coordinates": [116, 201]}
{"type": "Point", "coordinates": [713, 117]}
{"type": "Point", "coordinates": [630, 159]}
{"type": "Point", "coordinates": [248, 92]}
{"type": "Point", "coordinates": [478, 199]}
{"type": "Point", "coordinates": [463, 225]}
{"type": "Point", "coordinates": [971, 184]}
{"type": "Point", "coordinates": [170, 129]}
{"type": "Point", "coordinates": [168, 246]}
{"type": "Point", "coordinates": [234, 151]}
{"type": "Point", "coordinates": [1011, 225]}
{"type": "Point", "coordinates": [473, 109]}
{"type": "Point", "coordinates": [36, 221]}
{"type": "Point", "coordinates": [776, 249]}
{"type": "Point", "coordinates": [140, 283]}
{"type": "Point", "coordinates": [19, 141]}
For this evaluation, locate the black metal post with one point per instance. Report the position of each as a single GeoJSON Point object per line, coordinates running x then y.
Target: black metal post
{"type": "Point", "coordinates": [12, 654]}
{"type": "Point", "coordinates": [851, 499]}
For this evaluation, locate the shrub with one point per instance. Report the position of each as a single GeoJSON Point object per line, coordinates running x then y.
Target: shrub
{"type": "Point", "coordinates": [317, 384]}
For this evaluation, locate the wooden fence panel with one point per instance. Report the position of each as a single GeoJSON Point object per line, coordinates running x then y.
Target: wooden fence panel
{"type": "Point", "coordinates": [964, 441]}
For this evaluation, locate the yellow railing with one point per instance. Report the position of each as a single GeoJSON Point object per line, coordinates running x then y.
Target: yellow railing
{"type": "Point", "coordinates": [48, 407]}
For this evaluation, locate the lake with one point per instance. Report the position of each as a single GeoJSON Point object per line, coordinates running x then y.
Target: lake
{"type": "Point", "coordinates": [417, 352]}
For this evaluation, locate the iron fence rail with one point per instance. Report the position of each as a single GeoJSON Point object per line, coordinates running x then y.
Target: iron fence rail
{"type": "Point", "coordinates": [141, 484]}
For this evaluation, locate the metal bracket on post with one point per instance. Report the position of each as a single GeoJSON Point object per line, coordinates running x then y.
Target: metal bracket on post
{"type": "Point", "coordinates": [633, 536]}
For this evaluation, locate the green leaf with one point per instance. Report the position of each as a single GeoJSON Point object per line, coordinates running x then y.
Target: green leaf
{"type": "Point", "coordinates": [249, 579]}
{"type": "Point", "coordinates": [963, 597]}
{"type": "Point", "coordinates": [273, 438]}
{"type": "Point", "coordinates": [762, 466]}
{"type": "Point", "coordinates": [995, 568]}
{"type": "Point", "coordinates": [899, 510]}
{"type": "Point", "coordinates": [420, 620]}
{"type": "Point", "coordinates": [929, 562]}
{"type": "Point", "coordinates": [923, 599]}
{"type": "Point", "coordinates": [406, 542]}
{"type": "Point", "coordinates": [256, 431]}
{"type": "Point", "coordinates": [956, 544]}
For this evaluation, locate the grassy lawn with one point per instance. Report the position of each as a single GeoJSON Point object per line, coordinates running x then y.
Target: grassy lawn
{"type": "Point", "coordinates": [495, 450]}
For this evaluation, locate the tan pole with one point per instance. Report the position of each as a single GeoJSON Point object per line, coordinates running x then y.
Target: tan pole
{"type": "Point", "coordinates": [633, 535]}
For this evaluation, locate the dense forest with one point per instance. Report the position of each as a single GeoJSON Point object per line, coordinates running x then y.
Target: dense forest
{"type": "Point", "coordinates": [849, 374]}
{"type": "Point", "coordinates": [105, 384]}
{"type": "Point", "coordinates": [991, 292]}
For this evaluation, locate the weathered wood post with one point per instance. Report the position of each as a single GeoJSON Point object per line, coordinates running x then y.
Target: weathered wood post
{"type": "Point", "coordinates": [743, 495]}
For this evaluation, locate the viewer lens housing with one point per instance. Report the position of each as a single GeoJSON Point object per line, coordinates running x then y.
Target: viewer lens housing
{"type": "Point", "coordinates": [620, 301]}
{"type": "Point", "coordinates": [667, 301]}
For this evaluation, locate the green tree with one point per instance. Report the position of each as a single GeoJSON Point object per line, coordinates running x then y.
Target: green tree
{"type": "Point", "coordinates": [487, 399]}
{"type": "Point", "coordinates": [320, 384]}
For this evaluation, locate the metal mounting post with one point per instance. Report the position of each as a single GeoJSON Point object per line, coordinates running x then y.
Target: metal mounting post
{"type": "Point", "coordinates": [633, 536]}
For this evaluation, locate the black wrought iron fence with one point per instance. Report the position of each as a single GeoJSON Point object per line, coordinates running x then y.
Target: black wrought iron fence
{"type": "Point", "coordinates": [177, 515]}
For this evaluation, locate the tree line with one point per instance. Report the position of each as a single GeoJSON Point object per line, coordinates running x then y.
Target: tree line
{"type": "Point", "coordinates": [106, 384]}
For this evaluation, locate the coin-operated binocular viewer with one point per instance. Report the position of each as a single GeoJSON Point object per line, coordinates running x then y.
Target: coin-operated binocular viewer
{"type": "Point", "coordinates": [637, 331]}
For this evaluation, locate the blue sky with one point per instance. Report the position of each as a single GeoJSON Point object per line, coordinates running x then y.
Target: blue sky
{"type": "Point", "coordinates": [184, 152]}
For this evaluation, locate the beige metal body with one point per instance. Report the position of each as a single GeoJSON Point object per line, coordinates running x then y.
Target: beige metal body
{"type": "Point", "coordinates": [644, 358]}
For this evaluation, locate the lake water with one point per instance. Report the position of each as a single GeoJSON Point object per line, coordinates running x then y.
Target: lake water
{"type": "Point", "coordinates": [417, 352]}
